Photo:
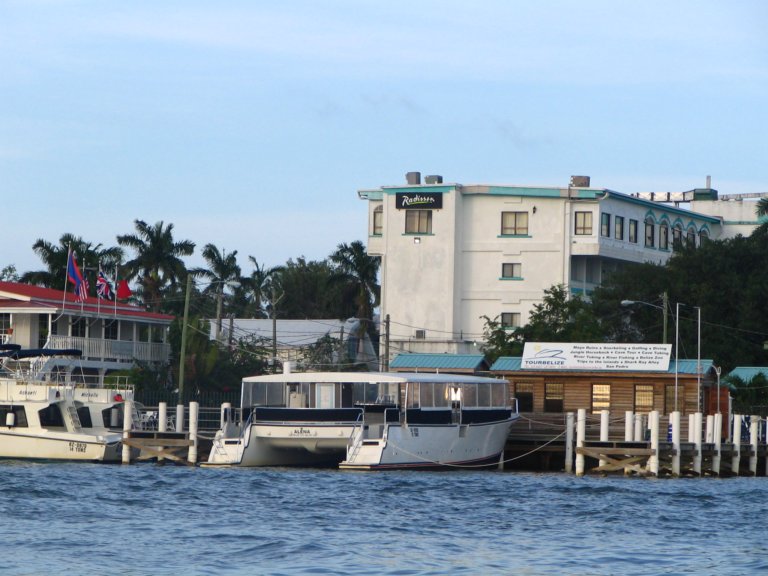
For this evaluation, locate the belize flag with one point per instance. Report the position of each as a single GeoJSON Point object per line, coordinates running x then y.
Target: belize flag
{"type": "Point", "coordinates": [76, 277]}
{"type": "Point", "coordinates": [103, 287]}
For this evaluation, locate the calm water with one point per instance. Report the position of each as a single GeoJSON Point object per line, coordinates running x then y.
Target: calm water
{"type": "Point", "coordinates": [143, 519]}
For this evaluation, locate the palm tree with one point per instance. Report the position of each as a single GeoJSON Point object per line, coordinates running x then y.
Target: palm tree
{"type": "Point", "coordinates": [359, 271]}
{"type": "Point", "coordinates": [762, 206]}
{"type": "Point", "coordinates": [258, 286]}
{"type": "Point", "coordinates": [222, 271]}
{"type": "Point", "coordinates": [157, 263]}
{"type": "Point", "coordinates": [54, 256]}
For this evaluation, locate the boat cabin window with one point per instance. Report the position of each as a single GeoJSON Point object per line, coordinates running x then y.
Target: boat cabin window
{"type": "Point", "coordinates": [484, 395]}
{"type": "Point", "coordinates": [374, 392]}
{"type": "Point", "coordinates": [263, 394]}
{"type": "Point", "coordinates": [469, 394]}
{"type": "Point", "coordinates": [20, 415]}
{"type": "Point", "coordinates": [84, 413]}
{"type": "Point", "coordinates": [51, 417]}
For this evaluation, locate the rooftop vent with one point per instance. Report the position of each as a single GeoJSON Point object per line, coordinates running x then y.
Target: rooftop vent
{"type": "Point", "coordinates": [579, 182]}
{"type": "Point", "coordinates": [434, 179]}
{"type": "Point", "coordinates": [413, 178]}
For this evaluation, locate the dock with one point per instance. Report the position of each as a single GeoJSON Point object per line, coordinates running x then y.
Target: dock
{"type": "Point", "coordinates": [638, 444]}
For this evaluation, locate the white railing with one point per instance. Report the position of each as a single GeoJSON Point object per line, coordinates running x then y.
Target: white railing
{"type": "Point", "coordinates": [113, 350]}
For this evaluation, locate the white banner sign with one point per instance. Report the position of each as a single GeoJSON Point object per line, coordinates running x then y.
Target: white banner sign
{"type": "Point", "coordinates": [570, 356]}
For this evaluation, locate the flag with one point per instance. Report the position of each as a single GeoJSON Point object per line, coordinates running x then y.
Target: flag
{"type": "Point", "coordinates": [103, 287]}
{"type": "Point", "coordinates": [76, 277]}
{"type": "Point", "coordinates": [123, 291]}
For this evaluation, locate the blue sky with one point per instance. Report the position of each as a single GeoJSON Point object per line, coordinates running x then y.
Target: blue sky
{"type": "Point", "coordinates": [252, 125]}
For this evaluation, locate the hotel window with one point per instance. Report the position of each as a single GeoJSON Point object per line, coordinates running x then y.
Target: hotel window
{"type": "Point", "coordinates": [618, 228]}
{"type": "Point", "coordinates": [605, 225]}
{"type": "Point", "coordinates": [690, 237]}
{"type": "Point", "coordinates": [601, 397]}
{"type": "Point", "coordinates": [664, 236]}
{"type": "Point", "coordinates": [643, 398]}
{"type": "Point", "coordinates": [650, 233]}
{"type": "Point", "coordinates": [510, 319]}
{"type": "Point", "coordinates": [523, 392]}
{"type": "Point", "coordinates": [514, 223]}
{"type": "Point", "coordinates": [677, 235]}
{"type": "Point", "coordinates": [703, 237]}
{"type": "Point", "coordinates": [553, 396]}
{"type": "Point", "coordinates": [378, 221]}
{"type": "Point", "coordinates": [418, 221]}
{"type": "Point", "coordinates": [633, 231]}
{"type": "Point", "coordinates": [583, 223]}
{"type": "Point", "coordinates": [510, 270]}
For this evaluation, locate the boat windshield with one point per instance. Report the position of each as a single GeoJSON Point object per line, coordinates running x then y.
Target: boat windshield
{"type": "Point", "coordinates": [471, 394]}
{"type": "Point", "coordinates": [317, 394]}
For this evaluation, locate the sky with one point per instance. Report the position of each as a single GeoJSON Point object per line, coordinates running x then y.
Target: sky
{"type": "Point", "coordinates": [251, 125]}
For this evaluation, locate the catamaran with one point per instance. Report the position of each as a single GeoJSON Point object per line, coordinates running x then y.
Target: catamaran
{"type": "Point", "coordinates": [366, 420]}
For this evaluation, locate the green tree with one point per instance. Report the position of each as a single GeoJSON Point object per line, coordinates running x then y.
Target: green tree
{"type": "Point", "coordinates": [9, 274]}
{"type": "Point", "coordinates": [250, 297]}
{"type": "Point", "coordinates": [749, 397]}
{"type": "Point", "coordinates": [54, 257]}
{"type": "Point", "coordinates": [499, 341]}
{"type": "Point", "coordinates": [223, 272]}
{"type": "Point", "coordinates": [560, 318]}
{"type": "Point", "coordinates": [358, 272]}
{"type": "Point", "coordinates": [762, 206]}
{"type": "Point", "coordinates": [157, 263]}
{"type": "Point", "coordinates": [304, 289]}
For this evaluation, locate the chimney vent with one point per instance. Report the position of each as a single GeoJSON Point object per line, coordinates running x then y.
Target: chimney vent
{"type": "Point", "coordinates": [434, 179]}
{"type": "Point", "coordinates": [413, 178]}
{"type": "Point", "coordinates": [579, 182]}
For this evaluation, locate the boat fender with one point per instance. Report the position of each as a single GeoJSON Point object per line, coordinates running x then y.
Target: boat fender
{"type": "Point", "coordinates": [10, 419]}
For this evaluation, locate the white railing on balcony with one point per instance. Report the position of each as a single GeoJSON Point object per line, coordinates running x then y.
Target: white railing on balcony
{"type": "Point", "coordinates": [113, 350]}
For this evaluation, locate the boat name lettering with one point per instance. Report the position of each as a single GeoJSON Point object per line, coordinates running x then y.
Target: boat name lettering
{"type": "Point", "coordinates": [77, 447]}
{"type": "Point", "coordinates": [302, 432]}
{"type": "Point", "coordinates": [90, 394]}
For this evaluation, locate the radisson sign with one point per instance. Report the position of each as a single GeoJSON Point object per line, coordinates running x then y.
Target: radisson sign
{"type": "Point", "coordinates": [419, 200]}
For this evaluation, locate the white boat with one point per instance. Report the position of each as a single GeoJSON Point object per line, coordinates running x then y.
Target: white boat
{"type": "Point", "coordinates": [316, 418]}
{"type": "Point", "coordinates": [48, 420]}
{"type": "Point", "coordinates": [450, 421]}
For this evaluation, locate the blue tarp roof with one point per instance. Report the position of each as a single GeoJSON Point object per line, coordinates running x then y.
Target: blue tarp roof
{"type": "Point", "coordinates": [514, 363]}
{"type": "Point", "coordinates": [439, 361]}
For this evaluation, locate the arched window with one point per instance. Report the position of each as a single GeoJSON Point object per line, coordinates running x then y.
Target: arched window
{"type": "Point", "coordinates": [378, 221]}
{"type": "Point", "coordinates": [703, 236]}
{"type": "Point", "coordinates": [690, 237]}
{"type": "Point", "coordinates": [650, 233]}
{"type": "Point", "coordinates": [664, 236]}
{"type": "Point", "coordinates": [677, 236]}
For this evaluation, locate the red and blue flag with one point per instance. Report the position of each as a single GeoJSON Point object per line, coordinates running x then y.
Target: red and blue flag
{"type": "Point", "coordinates": [76, 277]}
{"type": "Point", "coordinates": [104, 287]}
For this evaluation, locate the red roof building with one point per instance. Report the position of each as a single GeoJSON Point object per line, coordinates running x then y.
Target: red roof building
{"type": "Point", "coordinates": [112, 336]}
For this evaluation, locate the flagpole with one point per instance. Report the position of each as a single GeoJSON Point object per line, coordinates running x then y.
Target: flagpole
{"type": "Point", "coordinates": [115, 290]}
{"type": "Point", "coordinates": [98, 297]}
{"type": "Point", "coordinates": [66, 277]}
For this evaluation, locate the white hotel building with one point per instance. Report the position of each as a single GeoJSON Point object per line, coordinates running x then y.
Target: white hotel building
{"type": "Point", "coordinates": [453, 253]}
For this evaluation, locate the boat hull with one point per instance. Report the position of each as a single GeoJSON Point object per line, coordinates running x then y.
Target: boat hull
{"type": "Point", "coordinates": [48, 445]}
{"type": "Point", "coordinates": [421, 446]}
{"type": "Point", "coordinates": [284, 444]}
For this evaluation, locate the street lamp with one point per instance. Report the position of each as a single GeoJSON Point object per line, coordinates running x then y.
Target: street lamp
{"type": "Point", "coordinates": [663, 308]}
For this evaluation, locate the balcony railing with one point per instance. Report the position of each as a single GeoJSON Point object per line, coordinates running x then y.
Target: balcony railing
{"type": "Point", "coordinates": [113, 350]}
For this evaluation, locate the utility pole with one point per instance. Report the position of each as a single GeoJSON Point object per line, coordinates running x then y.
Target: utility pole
{"type": "Point", "coordinates": [273, 304]}
{"type": "Point", "coordinates": [386, 344]}
{"type": "Point", "coordinates": [182, 352]}
{"type": "Point", "coordinates": [665, 303]}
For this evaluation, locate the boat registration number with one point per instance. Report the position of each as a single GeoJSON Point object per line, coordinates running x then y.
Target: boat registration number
{"type": "Point", "coordinates": [77, 446]}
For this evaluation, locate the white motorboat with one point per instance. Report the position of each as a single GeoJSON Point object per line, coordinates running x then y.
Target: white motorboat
{"type": "Point", "coordinates": [49, 420]}
{"type": "Point", "coordinates": [449, 421]}
{"type": "Point", "coordinates": [316, 418]}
